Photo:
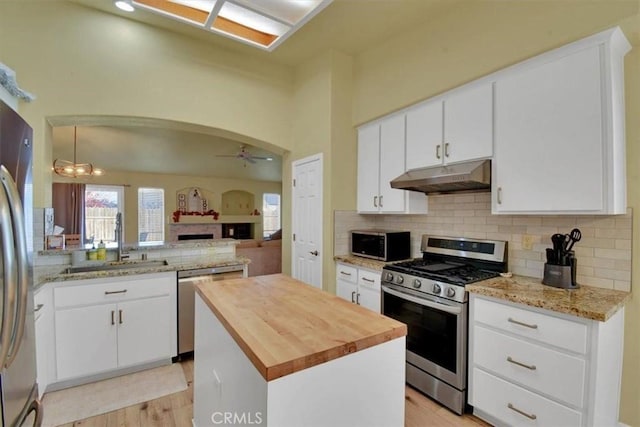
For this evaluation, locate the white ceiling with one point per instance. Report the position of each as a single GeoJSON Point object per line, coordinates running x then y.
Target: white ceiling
{"type": "Point", "coordinates": [347, 25]}
{"type": "Point", "coordinates": [162, 150]}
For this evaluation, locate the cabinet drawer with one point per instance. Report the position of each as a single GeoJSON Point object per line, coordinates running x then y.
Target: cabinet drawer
{"type": "Point", "coordinates": [552, 372]}
{"type": "Point", "coordinates": [347, 273]}
{"type": "Point", "coordinates": [369, 279]}
{"type": "Point", "coordinates": [503, 400]}
{"type": "Point", "coordinates": [98, 293]}
{"type": "Point", "coordinates": [547, 329]}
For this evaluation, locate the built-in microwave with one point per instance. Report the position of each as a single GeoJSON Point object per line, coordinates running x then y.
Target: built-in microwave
{"type": "Point", "coordinates": [383, 245]}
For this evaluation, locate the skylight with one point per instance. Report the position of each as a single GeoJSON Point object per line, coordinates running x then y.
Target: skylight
{"type": "Point", "coordinates": [261, 23]}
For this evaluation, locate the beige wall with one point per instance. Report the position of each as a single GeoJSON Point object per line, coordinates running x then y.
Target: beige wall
{"type": "Point", "coordinates": [480, 37]}
{"type": "Point", "coordinates": [83, 62]}
{"type": "Point", "coordinates": [322, 124]}
{"type": "Point", "coordinates": [171, 184]}
{"type": "Point", "coordinates": [80, 61]}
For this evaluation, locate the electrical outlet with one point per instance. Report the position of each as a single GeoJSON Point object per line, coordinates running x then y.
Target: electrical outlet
{"type": "Point", "coordinates": [527, 242]}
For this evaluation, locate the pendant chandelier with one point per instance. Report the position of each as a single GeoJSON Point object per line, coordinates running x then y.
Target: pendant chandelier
{"type": "Point", "coordinates": [74, 169]}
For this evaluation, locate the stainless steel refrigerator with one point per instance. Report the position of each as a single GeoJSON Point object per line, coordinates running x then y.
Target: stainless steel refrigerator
{"type": "Point", "coordinates": [18, 389]}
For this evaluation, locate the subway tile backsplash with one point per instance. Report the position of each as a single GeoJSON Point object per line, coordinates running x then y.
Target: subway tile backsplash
{"type": "Point", "coordinates": [603, 254]}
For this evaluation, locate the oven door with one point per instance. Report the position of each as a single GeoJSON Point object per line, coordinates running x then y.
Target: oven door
{"type": "Point", "coordinates": [436, 332]}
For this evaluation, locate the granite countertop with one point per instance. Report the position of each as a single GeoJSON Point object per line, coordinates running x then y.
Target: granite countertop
{"type": "Point", "coordinates": [359, 261]}
{"type": "Point", "coordinates": [185, 244]}
{"type": "Point", "coordinates": [587, 301]}
{"type": "Point", "coordinates": [59, 276]}
{"type": "Point", "coordinates": [285, 326]}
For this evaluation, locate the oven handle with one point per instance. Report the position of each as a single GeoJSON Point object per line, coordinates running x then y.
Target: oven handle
{"type": "Point", "coordinates": [421, 301]}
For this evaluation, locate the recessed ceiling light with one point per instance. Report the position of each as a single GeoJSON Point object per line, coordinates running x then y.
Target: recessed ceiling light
{"type": "Point", "coordinates": [124, 5]}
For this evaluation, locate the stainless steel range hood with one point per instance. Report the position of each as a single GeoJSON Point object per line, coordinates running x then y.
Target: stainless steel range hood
{"type": "Point", "coordinates": [462, 177]}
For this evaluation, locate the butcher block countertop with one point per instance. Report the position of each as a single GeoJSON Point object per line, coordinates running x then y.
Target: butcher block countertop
{"type": "Point", "coordinates": [285, 326]}
{"type": "Point", "coordinates": [587, 301]}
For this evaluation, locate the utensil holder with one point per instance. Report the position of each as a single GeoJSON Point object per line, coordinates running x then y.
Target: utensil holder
{"type": "Point", "coordinates": [561, 276]}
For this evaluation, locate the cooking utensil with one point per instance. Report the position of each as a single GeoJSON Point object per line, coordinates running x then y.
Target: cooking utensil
{"type": "Point", "coordinates": [574, 237]}
{"type": "Point", "coordinates": [551, 257]}
{"type": "Point", "coordinates": [558, 246]}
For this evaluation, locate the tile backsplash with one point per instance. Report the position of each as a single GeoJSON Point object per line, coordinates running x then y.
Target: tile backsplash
{"type": "Point", "coordinates": [603, 254]}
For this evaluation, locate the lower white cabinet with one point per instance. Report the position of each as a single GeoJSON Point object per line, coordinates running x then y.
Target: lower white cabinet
{"type": "Point", "coordinates": [530, 366]}
{"type": "Point", "coordinates": [359, 285]}
{"type": "Point", "coordinates": [45, 344]}
{"type": "Point", "coordinates": [104, 325]}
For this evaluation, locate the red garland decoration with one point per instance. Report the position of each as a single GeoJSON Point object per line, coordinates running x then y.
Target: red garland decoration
{"type": "Point", "coordinates": [178, 213]}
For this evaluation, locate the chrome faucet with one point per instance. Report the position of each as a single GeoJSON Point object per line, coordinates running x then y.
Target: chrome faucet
{"type": "Point", "coordinates": [119, 236]}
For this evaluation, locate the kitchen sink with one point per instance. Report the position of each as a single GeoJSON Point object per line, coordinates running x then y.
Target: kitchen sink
{"type": "Point", "coordinates": [122, 265]}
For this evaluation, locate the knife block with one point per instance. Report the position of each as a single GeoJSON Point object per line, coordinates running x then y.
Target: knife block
{"type": "Point", "coordinates": [561, 276]}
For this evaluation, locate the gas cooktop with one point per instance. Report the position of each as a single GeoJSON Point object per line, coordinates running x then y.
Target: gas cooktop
{"type": "Point", "coordinates": [446, 266]}
{"type": "Point", "coordinates": [448, 272]}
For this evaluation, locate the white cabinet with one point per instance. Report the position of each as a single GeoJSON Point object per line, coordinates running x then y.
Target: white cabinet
{"type": "Point", "coordinates": [535, 367]}
{"type": "Point", "coordinates": [358, 285]}
{"type": "Point", "coordinates": [103, 325]}
{"type": "Point", "coordinates": [381, 158]}
{"type": "Point", "coordinates": [559, 143]}
{"type": "Point", "coordinates": [45, 345]}
{"type": "Point", "coordinates": [454, 128]}
{"type": "Point", "coordinates": [86, 341]}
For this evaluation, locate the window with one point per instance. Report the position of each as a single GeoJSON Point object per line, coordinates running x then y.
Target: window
{"type": "Point", "coordinates": [101, 204]}
{"type": "Point", "coordinates": [271, 214]}
{"type": "Point", "coordinates": [150, 216]}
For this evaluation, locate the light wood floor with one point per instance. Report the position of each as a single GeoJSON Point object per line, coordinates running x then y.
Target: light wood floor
{"type": "Point", "coordinates": [176, 410]}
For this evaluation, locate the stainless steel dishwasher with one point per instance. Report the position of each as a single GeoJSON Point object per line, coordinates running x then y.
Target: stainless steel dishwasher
{"type": "Point", "coordinates": [186, 298]}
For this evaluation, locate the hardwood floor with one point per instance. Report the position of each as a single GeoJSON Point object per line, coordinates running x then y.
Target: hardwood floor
{"type": "Point", "coordinates": [176, 410]}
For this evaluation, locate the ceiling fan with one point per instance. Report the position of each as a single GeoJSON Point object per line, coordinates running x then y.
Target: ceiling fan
{"type": "Point", "coordinates": [245, 155]}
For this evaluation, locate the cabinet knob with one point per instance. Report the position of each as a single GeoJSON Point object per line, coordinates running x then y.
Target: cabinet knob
{"type": "Point", "coordinates": [314, 253]}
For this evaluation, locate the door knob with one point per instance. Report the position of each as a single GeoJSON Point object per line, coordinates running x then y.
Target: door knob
{"type": "Point", "coordinates": [314, 253]}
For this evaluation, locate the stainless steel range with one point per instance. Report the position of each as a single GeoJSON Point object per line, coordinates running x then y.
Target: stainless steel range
{"type": "Point", "coordinates": [428, 294]}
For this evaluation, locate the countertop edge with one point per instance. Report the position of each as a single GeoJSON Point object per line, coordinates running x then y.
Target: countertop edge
{"type": "Point", "coordinates": [606, 307]}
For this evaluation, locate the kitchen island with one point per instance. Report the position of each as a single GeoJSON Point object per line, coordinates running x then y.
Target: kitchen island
{"type": "Point", "coordinates": [271, 350]}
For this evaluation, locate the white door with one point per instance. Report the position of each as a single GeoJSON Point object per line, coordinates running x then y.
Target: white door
{"type": "Point", "coordinates": [307, 220]}
{"type": "Point", "coordinates": [468, 124]}
{"type": "Point", "coordinates": [392, 164]}
{"type": "Point", "coordinates": [85, 341]}
{"type": "Point", "coordinates": [368, 168]}
{"type": "Point", "coordinates": [424, 135]}
{"type": "Point", "coordinates": [143, 331]}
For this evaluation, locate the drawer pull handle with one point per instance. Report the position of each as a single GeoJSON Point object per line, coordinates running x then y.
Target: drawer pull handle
{"type": "Point", "coordinates": [524, 365]}
{"type": "Point", "coordinates": [113, 317]}
{"type": "Point", "coordinates": [353, 296]}
{"type": "Point", "coordinates": [115, 292]}
{"type": "Point", "coordinates": [368, 280]}
{"type": "Point", "coordinates": [358, 299]}
{"type": "Point", "coordinates": [513, 408]}
{"type": "Point", "coordinates": [522, 323]}
{"type": "Point", "coordinates": [345, 273]}
{"type": "Point", "coordinates": [38, 308]}
{"type": "Point", "coordinates": [120, 316]}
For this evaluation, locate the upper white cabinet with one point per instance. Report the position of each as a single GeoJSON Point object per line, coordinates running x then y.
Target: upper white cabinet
{"type": "Point", "coordinates": [559, 142]}
{"type": "Point", "coordinates": [450, 129]}
{"type": "Point", "coordinates": [381, 158]}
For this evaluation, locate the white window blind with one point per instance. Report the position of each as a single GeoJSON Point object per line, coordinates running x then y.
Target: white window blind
{"type": "Point", "coordinates": [150, 215]}
{"type": "Point", "coordinates": [271, 213]}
